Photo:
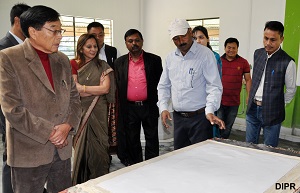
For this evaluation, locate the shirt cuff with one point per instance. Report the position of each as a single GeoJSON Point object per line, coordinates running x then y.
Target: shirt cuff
{"type": "Point", "coordinates": [209, 110]}
{"type": "Point", "coordinates": [162, 108]}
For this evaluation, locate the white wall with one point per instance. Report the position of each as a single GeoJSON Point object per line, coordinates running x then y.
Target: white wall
{"type": "Point", "coordinates": [125, 14]}
{"type": "Point", "coordinates": [243, 19]}
{"type": "Point", "coordinates": [263, 11]}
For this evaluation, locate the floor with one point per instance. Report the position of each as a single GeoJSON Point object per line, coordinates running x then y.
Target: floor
{"type": "Point", "coordinates": [116, 164]}
{"type": "Point", "coordinates": [235, 135]}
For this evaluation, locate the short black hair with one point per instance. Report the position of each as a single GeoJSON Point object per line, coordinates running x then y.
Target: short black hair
{"type": "Point", "coordinates": [231, 40]}
{"type": "Point", "coordinates": [16, 11]}
{"type": "Point", "coordinates": [275, 26]}
{"type": "Point", "coordinates": [131, 32]}
{"type": "Point", "coordinates": [36, 17]}
{"type": "Point", "coordinates": [94, 24]}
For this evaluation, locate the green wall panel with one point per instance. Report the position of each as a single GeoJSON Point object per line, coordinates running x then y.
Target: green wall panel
{"type": "Point", "coordinates": [291, 46]}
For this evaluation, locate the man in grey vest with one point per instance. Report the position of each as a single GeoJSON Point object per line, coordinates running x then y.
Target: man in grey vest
{"type": "Point", "coordinates": [273, 69]}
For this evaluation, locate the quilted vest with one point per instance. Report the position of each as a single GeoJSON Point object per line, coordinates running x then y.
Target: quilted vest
{"type": "Point", "coordinates": [273, 105]}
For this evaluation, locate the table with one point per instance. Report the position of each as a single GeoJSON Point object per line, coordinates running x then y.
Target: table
{"type": "Point", "coordinates": [208, 167]}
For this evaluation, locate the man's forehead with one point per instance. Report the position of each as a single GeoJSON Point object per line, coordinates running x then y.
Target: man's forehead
{"type": "Point", "coordinates": [133, 36]}
{"type": "Point", "coordinates": [53, 23]}
{"type": "Point", "coordinates": [96, 29]}
{"type": "Point", "coordinates": [231, 44]}
{"type": "Point", "coordinates": [267, 30]}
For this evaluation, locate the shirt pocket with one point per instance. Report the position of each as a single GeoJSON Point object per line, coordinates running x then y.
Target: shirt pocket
{"type": "Point", "coordinates": [277, 78]}
{"type": "Point", "coordinates": [192, 78]}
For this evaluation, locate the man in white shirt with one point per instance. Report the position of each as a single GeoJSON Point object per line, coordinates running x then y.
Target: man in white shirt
{"type": "Point", "coordinates": [273, 69]}
{"type": "Point", "coordinates": [191, 80]}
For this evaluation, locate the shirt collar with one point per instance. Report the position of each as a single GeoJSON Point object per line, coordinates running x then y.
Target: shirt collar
{"type": "Point", "coordinates": [140, 57]}
{"type": "Point", "coordinates": [102, 49]}
{"type": "Point", "coordinates": [224, 57]}
{"type": "Point", "coordinates": [16, 37]}
{"type": "Point", "coordinates": [269, 56]}
{"type": "Point", "coordinates": [42, 55]}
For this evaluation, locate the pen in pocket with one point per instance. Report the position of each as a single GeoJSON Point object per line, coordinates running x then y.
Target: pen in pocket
{"type": "Point", "coordinates": [64, 83]}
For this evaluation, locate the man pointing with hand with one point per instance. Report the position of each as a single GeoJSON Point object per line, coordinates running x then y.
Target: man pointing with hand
{"type": "Point", "coordinates": [191, 80]}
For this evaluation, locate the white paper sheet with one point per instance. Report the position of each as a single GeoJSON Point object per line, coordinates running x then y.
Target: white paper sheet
{"type": "Point", "coordinates": [209, 168]}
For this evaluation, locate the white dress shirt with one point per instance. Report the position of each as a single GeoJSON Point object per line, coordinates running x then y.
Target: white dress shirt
{"type": "Point", "coordinates": [192, 81]}
{"type": "Point", "coordinates": [290, 81]}
{"type": "Point", "coordinates": [16, 37]}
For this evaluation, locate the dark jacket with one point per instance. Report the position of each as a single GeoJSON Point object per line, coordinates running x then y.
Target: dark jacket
{"type": "Point", "coordinates": [111, 55]}
{"type": "Point", "coordinates": [8, 41]}
{"type": "Point", "coordinates": [273, 105]}
{"type": "Point", "coordinates": [153, 68]}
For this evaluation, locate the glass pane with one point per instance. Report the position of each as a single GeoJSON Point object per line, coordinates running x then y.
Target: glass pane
{"type": "Point", "coordinates": [73, 32]}
{"type": "Point", "coordinates": [194, 23]}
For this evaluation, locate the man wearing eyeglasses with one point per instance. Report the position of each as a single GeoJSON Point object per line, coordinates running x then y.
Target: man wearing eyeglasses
{"type": "Point", "coordinates": [12, 38]}
{"type": "Point", "coordinates": [41, 104]}
{"type": "Point", "coordinates": [137, 76]}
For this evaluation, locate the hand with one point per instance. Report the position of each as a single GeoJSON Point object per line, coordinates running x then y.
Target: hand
{"type": "Point", "coordinates": [102, 78]}
{"type": "Point", "coordinates": [59, 134]}
{"type": "Point", "coordinates": [63, 145]}
{"type": "Point", "coordinates": [79, 87]}
{"type": "Point", "coordinates": [75, 77]}
{"type": "Point", "coordinates": [164, 116]}
{"type": "Point", "coordinates": [247, 100]}
{"type": "Point", "coordinates": [215, 120]}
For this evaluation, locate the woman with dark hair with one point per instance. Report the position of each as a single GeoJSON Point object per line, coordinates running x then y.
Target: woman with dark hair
{"type": "Point", "coordinates": [95, 83]}
{"type": "Point", "coordinates": [201, 36]}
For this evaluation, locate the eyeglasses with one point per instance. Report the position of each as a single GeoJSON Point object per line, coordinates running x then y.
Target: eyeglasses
{"type": "Point", "coordinates": [56, 32]}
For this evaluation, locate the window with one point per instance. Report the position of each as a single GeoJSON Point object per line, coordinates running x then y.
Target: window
{"type": "Point", "coordinates": [75, 26]}
{"type": "Point", "coordinates": [212, 25]}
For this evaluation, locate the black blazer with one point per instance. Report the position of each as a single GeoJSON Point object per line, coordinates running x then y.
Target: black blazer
{"type": "Point", "coordinates": [111, 55]}
{"type": "Point", "coordinates": [153, 69]}
{"type": "Point", "coordinates": [8, 41]}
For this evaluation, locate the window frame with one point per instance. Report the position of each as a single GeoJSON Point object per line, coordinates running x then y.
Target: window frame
{"type": "Point", "coordinates": [75, 26]}
{"type": "Point", "coordinates": [213, 28]}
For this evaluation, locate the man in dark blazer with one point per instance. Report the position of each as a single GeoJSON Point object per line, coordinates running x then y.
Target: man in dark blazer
{"type": "Point", "coordinates": [107, 53]}
{"type": "Point", "coordinates": [41, 104]}
{"type": "Point", "coordinates": [13, 37]}
{"type": "Point", "coordinates": [137, 76]}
